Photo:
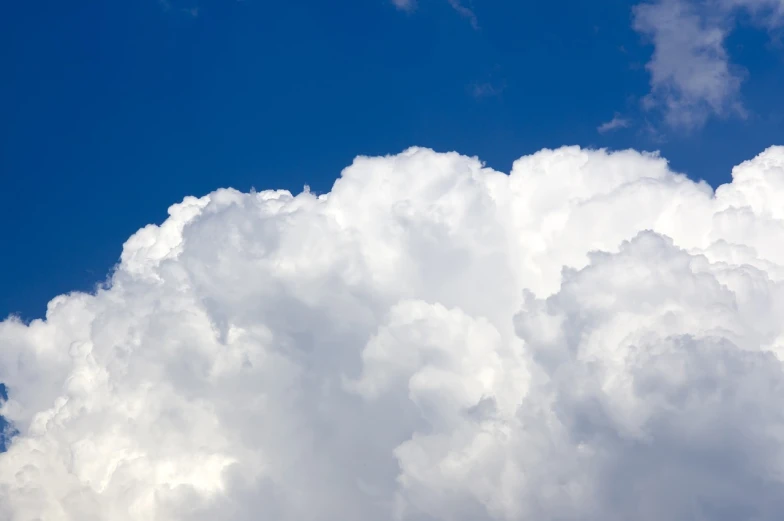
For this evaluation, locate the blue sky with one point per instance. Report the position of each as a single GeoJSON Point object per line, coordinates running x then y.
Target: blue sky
{"type": "Point", "coordinates": [112, 111]}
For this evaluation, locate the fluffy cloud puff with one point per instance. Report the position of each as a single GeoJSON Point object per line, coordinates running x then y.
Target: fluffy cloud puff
{"type": "Point", "coordinates": [592, 337]}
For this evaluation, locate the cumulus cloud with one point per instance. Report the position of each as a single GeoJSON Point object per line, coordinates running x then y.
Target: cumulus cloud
{"type": "Point", "coordinates": [692, 77]}
{"type": "Point", "coordinates": [591, 337]}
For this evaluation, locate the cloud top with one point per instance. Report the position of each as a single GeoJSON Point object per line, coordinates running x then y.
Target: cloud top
{"type": "Point", "coordinates": [590, 337]}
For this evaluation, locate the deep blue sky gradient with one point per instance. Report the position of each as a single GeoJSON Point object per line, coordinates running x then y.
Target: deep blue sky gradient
{"type": "Point", "coordinates": [112, 111]}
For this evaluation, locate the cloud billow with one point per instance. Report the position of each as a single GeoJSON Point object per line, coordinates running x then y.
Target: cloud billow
{"type": "Point", "coordinates": [591, 337]}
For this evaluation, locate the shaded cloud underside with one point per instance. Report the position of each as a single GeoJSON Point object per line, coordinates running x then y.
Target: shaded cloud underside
{"type": "Point", "coordinates": [592, 337]}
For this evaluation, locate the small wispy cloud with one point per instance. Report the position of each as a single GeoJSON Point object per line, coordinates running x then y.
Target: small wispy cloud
{"type": "Point", "coordinates": [691, 75]}
{"type": "Point", "coordinates": [404, 5]}
{"type": "Point", "coordinates": [614, 124]}
{"type": "Point", "coordinates": [486, 90]}
{"type": "Point", "coordinates": [465, 12]}
{"type": "Point", "coordinates": [652, 133]}
{"type": "Point", "coordinates": [457, 5]}
{"type": "Point", "coordinates": [166, 5]}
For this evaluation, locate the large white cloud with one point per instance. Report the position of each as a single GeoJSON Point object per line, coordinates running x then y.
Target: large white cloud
{"type": "Point", "coordinates": [591, 337]}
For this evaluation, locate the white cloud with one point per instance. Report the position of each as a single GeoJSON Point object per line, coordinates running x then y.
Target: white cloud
{"type": "Point", "coordinates": [429, 340]}
{"type": "Point", "coordinates": [692, 77]}
{"type": "Point", "coordinates": [614, 124]}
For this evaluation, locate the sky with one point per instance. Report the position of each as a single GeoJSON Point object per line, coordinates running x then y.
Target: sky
{"type": "Point", "coordinates": [398, 260]}
{"type": "Point", "coordinates": [110, 112]}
